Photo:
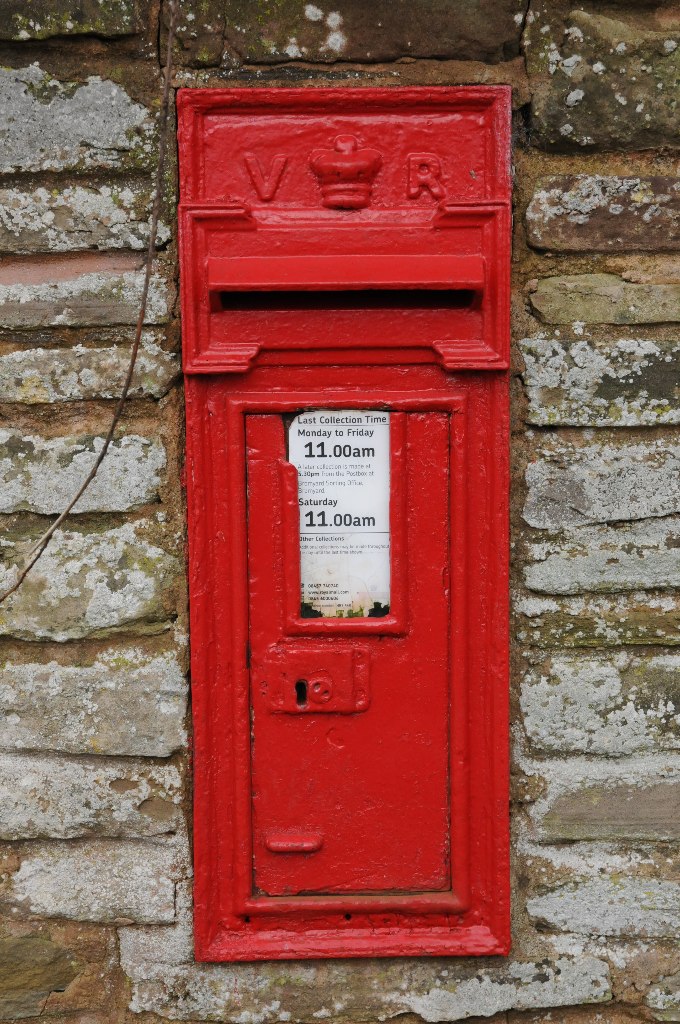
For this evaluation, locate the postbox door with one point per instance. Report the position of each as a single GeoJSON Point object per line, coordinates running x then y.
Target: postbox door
{"type": "Point", "coordinates": [350, 749]}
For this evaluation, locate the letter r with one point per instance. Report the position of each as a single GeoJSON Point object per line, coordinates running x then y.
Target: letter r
{"type": "Point", "coordinates": [424, 175]}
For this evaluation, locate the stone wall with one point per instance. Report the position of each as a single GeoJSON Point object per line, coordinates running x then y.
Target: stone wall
{"type": "Point", "coordinates": [95, 882]}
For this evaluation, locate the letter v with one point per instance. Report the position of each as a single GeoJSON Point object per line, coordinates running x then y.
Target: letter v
{"type": "Point", "coordinates": [266, 185]}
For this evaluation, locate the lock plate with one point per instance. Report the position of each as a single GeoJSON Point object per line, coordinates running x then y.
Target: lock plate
{"type": "Point", "coordinates": [297, 679]}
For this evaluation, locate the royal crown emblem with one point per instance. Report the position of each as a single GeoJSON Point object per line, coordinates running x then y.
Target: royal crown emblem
{"type": "Point", "coordinates": [346, 173]}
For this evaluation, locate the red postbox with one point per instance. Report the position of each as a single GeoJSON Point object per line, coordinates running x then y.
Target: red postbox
{"type": "Point", "coordinates": [345, 267]}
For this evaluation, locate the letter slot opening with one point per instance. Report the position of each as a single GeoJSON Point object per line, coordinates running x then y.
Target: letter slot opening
{"type": "Point", "coordinates": [347, 300]}
{"type": "Point", "coordinates": [376, 298]}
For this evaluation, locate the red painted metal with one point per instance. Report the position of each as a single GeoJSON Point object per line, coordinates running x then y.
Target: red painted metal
{"type": "Point", "coordinates": [377, 784]}
{"type": "Point", "coordinates": [340, 273]}
{"type": "Point", "coordinates": [348, 249]}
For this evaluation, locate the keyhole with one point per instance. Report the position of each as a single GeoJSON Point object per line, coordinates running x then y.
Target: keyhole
{"type": "Point", "coordinates": [301, 692]}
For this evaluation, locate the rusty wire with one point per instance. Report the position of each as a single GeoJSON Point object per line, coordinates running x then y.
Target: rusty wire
{"type": "Point", "coordinates": [164, 133]}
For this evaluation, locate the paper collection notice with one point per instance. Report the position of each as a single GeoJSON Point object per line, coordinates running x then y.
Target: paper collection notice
{"type": "Point", "coordinates": [343, 463]}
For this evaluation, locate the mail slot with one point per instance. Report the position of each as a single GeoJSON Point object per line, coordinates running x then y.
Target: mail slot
{"type": "Point", "coordinates": [344, 276]}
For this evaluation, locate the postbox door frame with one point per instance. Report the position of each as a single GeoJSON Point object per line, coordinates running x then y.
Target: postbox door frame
{"type": "Point", "coordinates": [386, 665]}
{"type": "Point", "coordinates": [231, 923]}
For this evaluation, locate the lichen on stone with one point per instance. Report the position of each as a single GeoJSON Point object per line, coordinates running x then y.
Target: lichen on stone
{"type": "Point", "coordinates": [68, 126]}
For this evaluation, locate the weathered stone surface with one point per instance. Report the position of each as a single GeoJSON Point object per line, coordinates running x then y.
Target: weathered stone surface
{"type": "Point", "coordinates": [349, 30]}
{"type": "Point", "coordinates": [603, 81]}
{"type": "Point", "coordinates": [89, 300]}
{"type": "Point", "coordinates": [172, 944]}
{"type": "Point", "coordinates": [41, 19]}
{"type": "Point", "coordinates": [611, 706]}
{"type": "Point", "coordinates": [30, 968]}
{"type": "Point", "coordinates": [577, 483]}
{"type": "Point", "coordinates": [405, 72]}
{"type": "Point", "coordinates": [664, 999]}
{"type": "Point", "coordinates": [87, 584]}
{"type": "Point", "coordinates": [603, 1014]}
{"type": "Point", "coordinates": [124, 701]}
{"type": "Point", "coordinates": [200, 36]}
{"type": "Point", "coordinates": [624, 383]}
{"type": "Point", "coordinates": [308, 992]}
{"type": "Point", "coordinates": [43, 796]}
{"type": "Point", "coordinates": [604, 213]}
{"type": "Point", "coordinates": [64, 126]}
{"type": "Point", "coordinates": [105, 880]}
{"type": "Point", "coordinates": [550, 866]}
{"type": "Point", "coordinates": [97, 995]}
{"type": "Point", "coordinates": [599, 621]}
{"type": "Point", "coordinates": [642, 907]}
{"type": "Point", "coordinates": [634, 813]}
{"type": "Point", "coordinates": [74, 218]}
{"type": "Point", "coordinates": [607, 559]}
{"type": "Point", "coordinates": [40, 474]}
{"type": "Point", "coordinates": [605, 299]}
{"type": "Point", "coordinates": [38, 375]}
{"type": "Point", "coordinates": [82, 1002]}
{"type": "Point", "coordinates": [585, 800]}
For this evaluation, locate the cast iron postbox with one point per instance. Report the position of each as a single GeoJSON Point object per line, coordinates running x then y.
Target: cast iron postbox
{"type": "Point", "coordinates": [344, 264]}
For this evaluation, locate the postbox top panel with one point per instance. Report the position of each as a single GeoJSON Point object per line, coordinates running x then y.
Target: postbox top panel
{"type": "Point", "coordinates": [365, 224]}
{"type": "Point", "coordinates": [361, 151]}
